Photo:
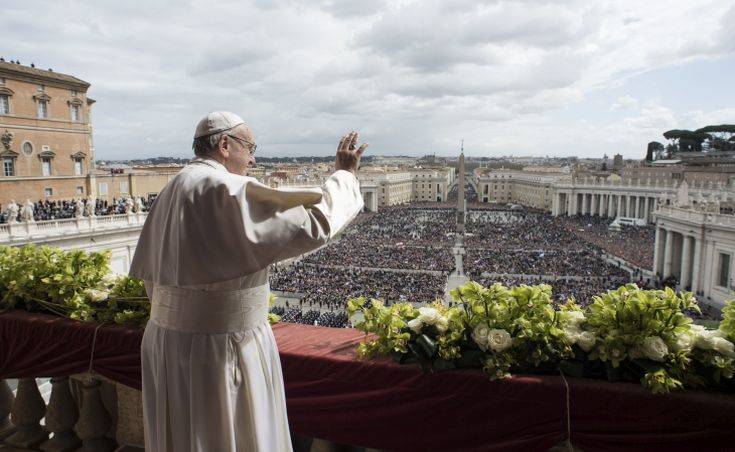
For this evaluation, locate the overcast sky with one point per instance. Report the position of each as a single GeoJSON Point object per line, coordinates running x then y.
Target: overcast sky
{"type": "Point", "coordinates": [518, 78]}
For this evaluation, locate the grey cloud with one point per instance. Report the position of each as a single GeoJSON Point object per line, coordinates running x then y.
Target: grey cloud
{"type": "Point", "coordinates": [411, 76]}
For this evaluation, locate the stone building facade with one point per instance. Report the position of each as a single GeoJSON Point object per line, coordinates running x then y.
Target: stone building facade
{"type": "Point", "coordinates": [697, 247]}
{"type": "Point", "coordinates": [46, 146]}
{"type": "Point", "coordinates": [430, 185]}
{"type": "Point", "coordinates": [530, 188]}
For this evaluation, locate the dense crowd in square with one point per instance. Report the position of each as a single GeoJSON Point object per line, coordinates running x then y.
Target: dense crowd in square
{"type": "Point", "coordinates": [500, 242]}
{"type": "Point", "coordinates": [635, 244]}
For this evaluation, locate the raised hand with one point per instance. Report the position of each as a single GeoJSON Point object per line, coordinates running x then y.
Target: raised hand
{"type": "Point", "coordinates": [348, 153]}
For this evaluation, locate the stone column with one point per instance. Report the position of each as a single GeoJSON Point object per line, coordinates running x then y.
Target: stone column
{"type": "Point", "coordinates": [61, 416]}
{"type": "Point", "coordinates": [603, 205]}
{"type": "Point", "coordinates": [618, 208]}
{"type": "Point", "coordinates": [686, 258]}
{"type": "Point", "coordinates": [611, 205]}
{"type": "Point", "coordinates": [635, 206]}
{"type": "Point", "coordinates": [584, 203]}
{"type": "Point", "coordinates": [94, 421]}
{"type": "Point", "coordinates": [657, 247]}
{"type": "Point", "coordinates": [696, 264]}
{"type": "Point", "coordinates": [668, 253]}
{"type": "Point", "coordinates": [28, 410]}
{"type": "Point", "coordinates": [6, 402]}
{"type": "Point", "coordinates": [594, 204]}
{"type": "Point", "coordinates": [647, 210]}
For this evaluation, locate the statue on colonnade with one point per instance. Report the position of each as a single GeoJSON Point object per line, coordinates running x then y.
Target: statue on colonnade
{"type": "Point", "coordinates": [12, 212]}
{"type": "Point", "coordinates": [78, 208]}
{"type": "Point", "coordinates": [90, 206]}
{"type": "Point", "coordinates": [26, 214]}
{"type": "Point", "coordinates": [139, 204]}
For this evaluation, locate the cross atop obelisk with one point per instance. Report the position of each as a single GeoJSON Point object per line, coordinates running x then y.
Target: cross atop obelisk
{"type": "Point", "coordinates": [461, 201]}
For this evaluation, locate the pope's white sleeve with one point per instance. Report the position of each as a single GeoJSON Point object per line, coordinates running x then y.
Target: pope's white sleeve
{"type": "Point", "coordinates": [341, 201]}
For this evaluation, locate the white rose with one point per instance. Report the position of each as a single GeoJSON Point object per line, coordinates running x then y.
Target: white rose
{"type": "Point", "coordinates": [684, 341]}
{"type": "Point", "coordinates": [724, 347]}
{"type": "Point", "coordinates": [415, 325]}
{"type": "Point", "coordinates": [499, 340]}
{"type": "Point", "coordinates": [706, 339]}
{"type": "Point", "coordinates": [97, 295]}
{"type": "Point", "coordinates": [654, 348]}
{"type": "Point", "coordinates": [479, 335]}
{"type": "Point", "coordinates": [575, 318]}
{"type": "Point", "coordinates": [696, 329]}
{"type": "Point", "coordinates": [110, 278]}
{"type": "Point", "coordinates": [429, 315]}
{"type": "Point", "coordinates": [442, 324]}
{"type": "Point", "coordinates": [586, 340]}
{"type": "Point", "coordinates": [571, 335]}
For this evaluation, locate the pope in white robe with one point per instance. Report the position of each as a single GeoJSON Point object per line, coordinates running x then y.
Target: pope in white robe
{"type": "Point", "coordinates": [212, 377]}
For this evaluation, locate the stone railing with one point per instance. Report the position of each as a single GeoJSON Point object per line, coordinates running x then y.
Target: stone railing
{"type": "Point", "coordinates": [84, 412]}
{"type": "Point", "coordinates": [695, 216]}
{"type": "Point", "coordinates": [11, 233]}
{"type": "Point", "coordinates": [657, 184]}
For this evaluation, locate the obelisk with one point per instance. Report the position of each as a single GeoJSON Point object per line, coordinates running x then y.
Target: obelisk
{"type": "Point", "coordinates": [461, 201]}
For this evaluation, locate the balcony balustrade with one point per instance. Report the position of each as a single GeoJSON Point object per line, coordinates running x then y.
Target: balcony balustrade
{"type": "Point", "coordinates": [95, 402]}
{"type": "Point", "coordinates": [28, 231]}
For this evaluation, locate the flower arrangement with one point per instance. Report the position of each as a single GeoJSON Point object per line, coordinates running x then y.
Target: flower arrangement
{"type": "Point", "coordinates": [627, 334]}
{"type": "Point", "coordinates": [74, 284]}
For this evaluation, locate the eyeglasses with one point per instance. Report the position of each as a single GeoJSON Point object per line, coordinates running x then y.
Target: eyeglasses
{"type": "Point", "coordinates": [252, 146]}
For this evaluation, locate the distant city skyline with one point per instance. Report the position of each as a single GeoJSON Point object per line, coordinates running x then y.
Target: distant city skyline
{"type": "Point", "coordinates": [414, 77]}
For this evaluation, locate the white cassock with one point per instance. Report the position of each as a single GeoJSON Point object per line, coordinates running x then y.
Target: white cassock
{"type": "Point", "coordinates": [212, 376]}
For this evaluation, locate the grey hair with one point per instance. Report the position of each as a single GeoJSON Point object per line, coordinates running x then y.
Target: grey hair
{"type": "Point", "coordinates": [204, 145]}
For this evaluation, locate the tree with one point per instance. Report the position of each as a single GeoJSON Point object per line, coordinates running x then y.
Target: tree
{"type": "Point", "coordinates": [685, 140]}
{"type": "Point", "coordinates": [721, 137]}
{"type": "Point", "coordinates": [654, 151]}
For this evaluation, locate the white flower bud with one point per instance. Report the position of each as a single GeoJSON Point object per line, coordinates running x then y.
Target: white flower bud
{"type": "Point", "coordinates": [654, 348]}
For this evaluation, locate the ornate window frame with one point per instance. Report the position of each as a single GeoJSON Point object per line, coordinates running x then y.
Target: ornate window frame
{"type": "Point", "coordinates": [5, 91]}
{"type": "Point", "coordinates": [46, 154]}
{"type": "Point", "coordinates": [8, 154]}
{"type": "Point", "coordinates": [42, 96]}
{"type": "Point", "coordinates": [75, 102]}
{"type": "Point", "coordinates": [79, 155]}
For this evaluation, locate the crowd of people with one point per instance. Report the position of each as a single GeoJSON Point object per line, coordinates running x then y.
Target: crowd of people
{"type": "Point", "coordinates": [405, 226]}
{"type": "Point", "coordinates": [60, 209]}
{"type": "Point", "coordinates": [518, 230]}
{"type": "Point", "coordinates": [332, 286]}
{"type": "Point", "coordinates": [500, 242]}
{"type": "Point", "coordinates": [312, 317]}
{"type": "Point", "coordinates": [550, 263]}
{"type": "Point", "coordinates": [347, 253]}
{"type": "Point", "coordinates": [635, 244]}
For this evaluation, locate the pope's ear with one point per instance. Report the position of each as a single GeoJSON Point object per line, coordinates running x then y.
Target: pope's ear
{"type": "Point", "coordinates": [223, 147]}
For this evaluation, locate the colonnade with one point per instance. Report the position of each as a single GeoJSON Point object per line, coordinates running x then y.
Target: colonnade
{"type": "Point", "coordinates": [604, 205]}
{"type": "Point", "coordinates": [678, 254]}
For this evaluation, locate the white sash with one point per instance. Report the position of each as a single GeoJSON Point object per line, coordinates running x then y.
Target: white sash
{"type": "Point", "coordinates": [207, 311]}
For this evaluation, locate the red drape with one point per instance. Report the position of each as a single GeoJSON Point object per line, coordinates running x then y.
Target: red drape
{"type": "Point", "coordinates": [381, 404]}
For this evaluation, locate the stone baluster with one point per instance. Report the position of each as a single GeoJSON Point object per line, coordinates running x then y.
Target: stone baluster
{"type": "Point", "coordinates": [6, 402]}
{"type": "Point", "coordinates": [94, 421]}
{"type": "Point", "coordinates": [61, 416]}
{"type": "Point", "coordinates": [26, 414]}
